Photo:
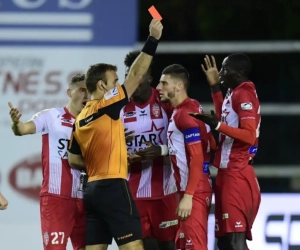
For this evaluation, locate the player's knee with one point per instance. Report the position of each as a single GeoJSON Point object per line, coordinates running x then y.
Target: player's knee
{"type": "Point", "coordinates": [96, 247]}
{"type": "Point", "coordinates": [166, 245]}
{"type": "Point", "coordinates": [232, 241]}
{"type": "Point", "coordinates": [133, 245]}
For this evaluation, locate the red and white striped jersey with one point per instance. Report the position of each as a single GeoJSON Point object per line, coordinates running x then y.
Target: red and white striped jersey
{"type": "Point", "coordinates": [149, 179]}
{"type": "Point", "coordinates": [59, 179]}
{"type": "Point", "coordinates": [240, 105]}
{"type": "Point", "coordinates": [189, 148]}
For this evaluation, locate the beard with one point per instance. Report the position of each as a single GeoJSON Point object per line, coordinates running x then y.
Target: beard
{"type": "Point", "coordinates": [171, 94]}
{"type": "Point", "coordinates": [165, 101]}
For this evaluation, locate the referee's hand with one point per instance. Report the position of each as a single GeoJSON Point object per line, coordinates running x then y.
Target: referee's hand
{"type": "Point", "coordinates": [155, 29]}
{"type": "Point", "coordinates": [3, 202]}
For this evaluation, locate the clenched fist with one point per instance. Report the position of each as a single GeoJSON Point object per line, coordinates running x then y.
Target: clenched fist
{"type": "Point", "coordinates": [155, 29]}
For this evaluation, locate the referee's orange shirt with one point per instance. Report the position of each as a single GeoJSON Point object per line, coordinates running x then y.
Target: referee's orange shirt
{"type": "Point", "coordinates": [98, 135]}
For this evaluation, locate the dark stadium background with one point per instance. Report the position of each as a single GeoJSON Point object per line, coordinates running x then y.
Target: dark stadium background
{"type": "Point", "coordinates": [276, 74]}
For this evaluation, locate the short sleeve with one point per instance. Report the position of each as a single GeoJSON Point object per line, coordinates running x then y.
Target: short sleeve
{"type": "Point", "coordinates": [74, 147]}
{"type": "Point", "coordinates": [40, 120]}
{"type": "Point", "coordinates": [244, 104]}
{"type": "Point", "coordinates": [189, 127]}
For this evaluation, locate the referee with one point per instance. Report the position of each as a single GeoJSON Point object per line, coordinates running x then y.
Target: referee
{"type": "Point", "coordinates": [98, 145]}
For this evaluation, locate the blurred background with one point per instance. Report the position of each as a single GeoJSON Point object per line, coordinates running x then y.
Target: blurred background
{"type": "Point", "coordinates": [44, 42]}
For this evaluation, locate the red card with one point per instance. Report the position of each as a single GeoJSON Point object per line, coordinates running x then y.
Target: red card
{"type": "Point", "coordinates": [154, 13]}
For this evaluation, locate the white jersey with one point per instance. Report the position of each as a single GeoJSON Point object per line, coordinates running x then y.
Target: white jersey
{"type": "Point", "coordinates": [59, 179]}
{"type": "Point", "coordinates": [149, 179]}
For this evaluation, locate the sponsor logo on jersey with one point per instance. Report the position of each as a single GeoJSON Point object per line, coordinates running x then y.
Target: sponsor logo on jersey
{"type": "Point", "coordinates": [143, 113]}
{"type": "Point", "coordinates": [63, 145]}
{"type": "Point", "coordinates": [129, 114]}
{"type": "Point", "coordinates": [66, 122]}
{"type": "Point", "coordinates": [166, 224]}
{"type": "Point", "coordinates": [138, 143]}
{"type": "Point", "coordinates": [26, 177]}
{"type": "Point", "coordinates": [246, 106]}
{"type": "Point", "coordinates": [89, 119]}
{"type": "Point", "coordinates": [156, 110]}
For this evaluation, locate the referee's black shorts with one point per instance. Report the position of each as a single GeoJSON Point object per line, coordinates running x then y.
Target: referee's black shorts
{"type": "Point", "coordinates": [110, 213]}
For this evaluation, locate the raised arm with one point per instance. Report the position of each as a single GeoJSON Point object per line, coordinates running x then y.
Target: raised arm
{"type": "Point", "coordinates": [143, 61]}
{"type": "Point", "coordinates": [36, 124]}
{"type": "Point", "coordinates": [212, 75]}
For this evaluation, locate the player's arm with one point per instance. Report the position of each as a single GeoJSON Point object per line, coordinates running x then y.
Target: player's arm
{"type": "Point", "coordinates": [192, 139]}
{"type": "Point", "coordinates": [76, 161]}
{"type": "Point", "coordinates": [35, 125]}
{"type": "Point", "coordinates": [75, 157]}
{"type": "Point", "coordinates": [217, 97]}
{"type": "Point", "coordinates": [244, 107]}
{"type": "Point", "coordinates": [212, 141]}
{"type": "Point", "coordinates": [143, 61]}
{"type": "Point", "coordinates": [212, 75]}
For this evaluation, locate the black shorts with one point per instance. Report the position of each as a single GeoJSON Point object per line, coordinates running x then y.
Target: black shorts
{"type": "Point", "coordinates": [110, 213]}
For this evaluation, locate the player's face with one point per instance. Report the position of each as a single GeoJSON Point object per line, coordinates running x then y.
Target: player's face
{"type": "Point", "coordinates": [166, 88]}
{"type": "Point", "coordinates": [227, 74]}
{"type": "Point", "coordinates": [112, 80]}
{"type": "Point", "coordinates": [79, 95]}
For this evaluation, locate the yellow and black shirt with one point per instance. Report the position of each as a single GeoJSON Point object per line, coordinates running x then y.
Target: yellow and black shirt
{"type": "Point", "coordinates": [98, 135]}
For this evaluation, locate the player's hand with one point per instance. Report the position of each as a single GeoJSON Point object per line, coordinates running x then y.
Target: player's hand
{"type": "Point", "coordinates": [152, 151]}
{"type": "Point", "coordinates": [185, 207]}
{"type": "Point", "coordinates": [3, 202]}
{"type": "Point", "coordinates": [131, 158]}
{"type": "Point", "coordinates": [14, 113]}
{"type": "Point", "coordinates": [155, 29]}
{"type": "Point", "coordinates": [211, 71]}
{"type": "Point", "coordinates": [210, 119]}
{"type": "Point", "coordinates": [129, 135]}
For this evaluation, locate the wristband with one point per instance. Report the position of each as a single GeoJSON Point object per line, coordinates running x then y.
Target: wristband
{"type": "Point", "coordinates": [150, 46]}
{"type": "Point", "coordinates": [164, 150]}
{"type": "Point", "coordinates": [215, 88]}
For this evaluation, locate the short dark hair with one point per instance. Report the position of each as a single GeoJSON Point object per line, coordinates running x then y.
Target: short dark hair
{"type": "Point", "coordinates": [241, 62]}
{"type": "Point", "coordinates": [77, 78]}
{"type": "Point", "coordinates": [178, 71]}
{"type": "Point", "coordinates": [130, 58]}
{"type": "Point", "coordinates": [96, 73]}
